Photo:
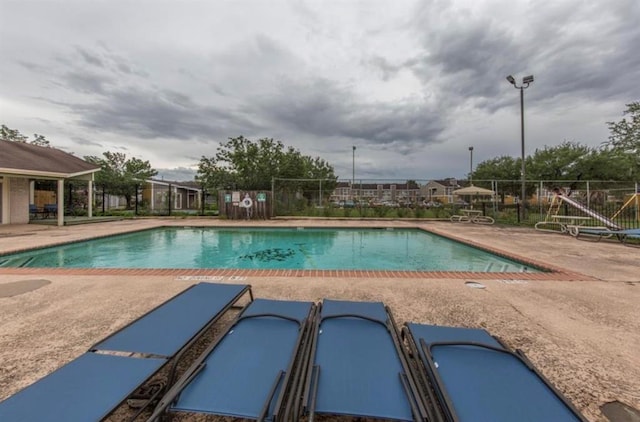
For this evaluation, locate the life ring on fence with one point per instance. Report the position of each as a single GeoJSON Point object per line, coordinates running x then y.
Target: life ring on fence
{"type": "Point", "coordinates": [247, 202]}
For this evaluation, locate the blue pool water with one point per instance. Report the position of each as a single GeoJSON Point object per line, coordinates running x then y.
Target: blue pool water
{"type": "Point", "coordinates": [258, 248]}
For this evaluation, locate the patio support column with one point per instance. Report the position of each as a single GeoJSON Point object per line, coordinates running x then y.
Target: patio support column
{"type": "Point", "coordinates": [5, 183]}
{"type": "Point", "coordinates": [32, 191]}
{"type": "Point", "coordinates": [90, 199]}
{"type": "Point", "coordinates": [60, 202]}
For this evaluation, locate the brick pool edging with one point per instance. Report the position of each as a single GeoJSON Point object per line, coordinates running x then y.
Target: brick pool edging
{"type": "Point", "coordinates": [550, 272]}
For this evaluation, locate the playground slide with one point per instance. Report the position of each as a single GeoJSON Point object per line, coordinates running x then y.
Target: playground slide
{"type": "Point", "coordinates": [604, 220]}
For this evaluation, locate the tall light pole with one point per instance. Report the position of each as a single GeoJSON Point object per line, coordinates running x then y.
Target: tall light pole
{"type": "Point", "coordinates": [471, 165]}
{"type": "Point", "coordinates": [353, 174]}
{"type": "Point", "coordinates": [526, 81]}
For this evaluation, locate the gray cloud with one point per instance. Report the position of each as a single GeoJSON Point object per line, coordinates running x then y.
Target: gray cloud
{"type": "Point", "coordinates": [83, 141]}
{"type": "Point", "coordinates": [87, 82]}
{"type": "Point", "coordinates": [325, 109]}
{"type": "Point", "coordinates": [574, 49]}
{"type": "Point", "coordinates": [158, 114]}
{"type": "Point", "coordinates": [34, 67]}
{"type": "Point", "coordinates": [89, 57]}
{"type": "Point", "coordinates": [178, 174]}
{"type": "Point", "coordinates": [412, 86]}
{"type": "Point", "coordinates": [123, 103]}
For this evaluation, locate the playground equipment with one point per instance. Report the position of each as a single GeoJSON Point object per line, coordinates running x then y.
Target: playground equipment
{"type": "Point", "coordinates": [635, 199]}
{"type": "Point", "coordinates": [572, 224]}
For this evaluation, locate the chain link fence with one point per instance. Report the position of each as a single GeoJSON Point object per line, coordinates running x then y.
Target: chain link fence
{"type": "Point", "coordinates": [362, 198]}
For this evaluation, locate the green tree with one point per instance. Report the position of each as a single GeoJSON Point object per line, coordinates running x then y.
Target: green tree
{"type": "Point", "coordinates": [500, 168]}
{"type": "Point", "coordinates": [560, 162]}
{"type": "Point", "coordinates": [121, 176]}
{"type": "Point", "coordinates": [14, 135]}
{"type": "Point", "coordinates": [574, 162]}
{"type": "Point", "coordinates": [244, 164]}
{"type": "Point", "coordinates": [624, 140]}
{"type": "Point", "coordinates": [40, 140]}
{"type": "Point", "coordinates": [211, 176]}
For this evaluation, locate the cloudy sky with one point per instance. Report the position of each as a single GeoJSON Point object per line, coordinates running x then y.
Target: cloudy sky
{"type": "Point", "coordinates": [411, 84]}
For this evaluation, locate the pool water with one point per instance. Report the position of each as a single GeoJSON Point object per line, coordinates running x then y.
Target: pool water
{"type": "Point", "coordinates": [264, 248]}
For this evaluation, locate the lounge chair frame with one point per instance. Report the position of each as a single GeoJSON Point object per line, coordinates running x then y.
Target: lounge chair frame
{"type": "Point", "coordinates": [596, 234]}
{"type": "Point", "coordinates": [176, 356]}
{"type": "Point", "coordinates": [95, 350]}
{"type": "Point", "coordinates": [420, 413]}
{"type": "Point", "coordinates": [431, 376]}
{"type": "Point", "coordinates": [285, 407]}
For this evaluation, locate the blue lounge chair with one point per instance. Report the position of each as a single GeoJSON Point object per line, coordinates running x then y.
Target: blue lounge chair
{"type": "Point", "coordinates": [34, 211]}
{"type": "Point", "coordinates": [604, 233]}
{"type": "Point", "coordinates": [91, 386]}
{"type": "Point", "coordinates": [475, 378]}
{"type": "Point", "coordinates": [250, 372]}
{"type": "Point", "coordinates": [50, 209]}
{"type": "Point", "coordinates": [358, 367]}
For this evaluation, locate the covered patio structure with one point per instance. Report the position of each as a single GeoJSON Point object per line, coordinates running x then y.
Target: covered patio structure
{"type": "Point", "coordinates": [21, 164]}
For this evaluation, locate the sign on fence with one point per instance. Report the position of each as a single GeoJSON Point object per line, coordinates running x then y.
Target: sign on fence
{"type": "Point", "coordinates": [249, 205]}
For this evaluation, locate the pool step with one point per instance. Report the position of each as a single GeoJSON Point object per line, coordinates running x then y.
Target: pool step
{"type": "Point", "coordinates": [503, 269]}
{"type": "Point", "coordinates": [16, 262]}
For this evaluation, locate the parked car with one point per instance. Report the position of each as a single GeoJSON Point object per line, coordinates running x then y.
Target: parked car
{"type": "Point", "coordinates": [343, 204]}
{"type": "Point", "coordinates": [431, 204]}
{"type": "Point", "coordinates": [390, 204]}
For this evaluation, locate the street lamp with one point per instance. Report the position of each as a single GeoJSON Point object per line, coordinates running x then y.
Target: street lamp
{"type": "Point", "coordinates": [353, 175]}
{"type": "Point", "coordinates": [471, 166]}
{"type": "Point", "coordinates": [526, 81]}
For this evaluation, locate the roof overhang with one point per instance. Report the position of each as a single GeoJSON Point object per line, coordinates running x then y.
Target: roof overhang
{"type": "Point", "coordinates": [85, 175]}
{"type": "Point", "coordinates": [173, 185]}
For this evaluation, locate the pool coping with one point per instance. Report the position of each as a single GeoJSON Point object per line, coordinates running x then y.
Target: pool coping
{"type": "Point", "coordinates": [549, 272]}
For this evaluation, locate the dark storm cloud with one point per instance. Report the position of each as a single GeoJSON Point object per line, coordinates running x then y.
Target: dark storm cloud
{"type": "Point", "coordinates": [147, 113]}
{"type": "Point", "coordinates": [387, 70]}
{"type": "Point", "coordinates": [118, 101]}
{"type": "Point", "coordinates": [102, 57]}
{"type": "Point", "coordinates": [468, 59]}
{"type": "Point", "coordinates": [597, 66]}
{"type": "Point", "coordinates": [87, 82]}
{"type": "Point", "coordinates": [395, 82]}
{"type": "Point", "coordinates": [89, 57]}
{"type": "Point", "coordinates": [323, 108]}
{"type": "Point", "coordinates": [573, 50]}
{"type": "Point", "coordinates": [83, 141]}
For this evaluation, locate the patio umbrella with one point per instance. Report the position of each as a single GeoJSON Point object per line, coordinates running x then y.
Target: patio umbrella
{"type": "Point", "coordinates": [474, 191]}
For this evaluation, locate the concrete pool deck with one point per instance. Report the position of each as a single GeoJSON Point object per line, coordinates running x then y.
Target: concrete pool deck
{"type": "Point", "coordinates": [580, 325]}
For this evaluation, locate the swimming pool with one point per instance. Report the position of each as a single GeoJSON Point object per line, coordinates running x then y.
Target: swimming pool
{"type": "Point", "coordinates": [266, 248]}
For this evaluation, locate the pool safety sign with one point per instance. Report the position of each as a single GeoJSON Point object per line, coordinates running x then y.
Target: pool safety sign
{"type": "Point", "coordinates": [261, 197]}
{"type": "Point", "coordinates": [227, 198]}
